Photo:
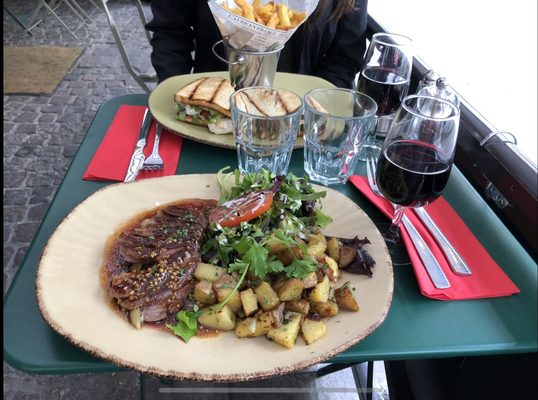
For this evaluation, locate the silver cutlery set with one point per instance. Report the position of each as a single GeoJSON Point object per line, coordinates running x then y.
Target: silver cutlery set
{"type": "Point", "coordinates": [138, 160]}
{"type": "Point", "coordinates": [434, 270]}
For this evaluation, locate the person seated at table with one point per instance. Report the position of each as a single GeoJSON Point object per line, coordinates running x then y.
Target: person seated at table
{"type": "Point", "coordinates": [330, 44]}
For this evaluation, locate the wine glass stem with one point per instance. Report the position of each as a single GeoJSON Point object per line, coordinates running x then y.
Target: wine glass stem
{"type": "Point", "coordinates": [395, 223]}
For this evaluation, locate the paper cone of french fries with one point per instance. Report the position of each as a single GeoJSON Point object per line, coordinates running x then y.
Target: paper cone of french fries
{"type": "Point", "coordinates": [259, 25]}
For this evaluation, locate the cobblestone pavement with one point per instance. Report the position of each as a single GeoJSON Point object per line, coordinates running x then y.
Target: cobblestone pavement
{"type": "Point", "coordinates": [41, 136]}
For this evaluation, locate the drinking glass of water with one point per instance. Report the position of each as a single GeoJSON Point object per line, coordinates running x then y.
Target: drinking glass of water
{"type": "Point", "coordinates": [336, 124]}
{"type": "Point", "coordinates": [266, 122]}
{"type": "Point", "coordinates": [385, 76]}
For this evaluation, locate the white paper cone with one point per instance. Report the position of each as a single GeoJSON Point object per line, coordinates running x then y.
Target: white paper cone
{"type": "Point", "coordinates": [243, 34]}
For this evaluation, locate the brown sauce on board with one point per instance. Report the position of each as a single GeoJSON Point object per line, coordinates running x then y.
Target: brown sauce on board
{"type": "Point", "coordinates": [175, 257]}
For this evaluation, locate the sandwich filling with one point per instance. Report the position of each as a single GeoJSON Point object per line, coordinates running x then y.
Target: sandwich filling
{"type": "Point", "coordinates": [206, 102]}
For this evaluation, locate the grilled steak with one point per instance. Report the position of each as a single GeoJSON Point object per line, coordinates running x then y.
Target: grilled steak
{"type": "Point", "coordinates": [150, 266]}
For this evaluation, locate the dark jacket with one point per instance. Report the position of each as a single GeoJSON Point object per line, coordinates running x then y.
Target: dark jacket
{"type": "Point", "coordinates": [332, 50]}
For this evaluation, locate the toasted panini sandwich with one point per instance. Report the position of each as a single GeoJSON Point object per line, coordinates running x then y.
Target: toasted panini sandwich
{"type": "Point", "coordinates": [267, 102]}
{"type": "Point", "coordinates": [206, 102]}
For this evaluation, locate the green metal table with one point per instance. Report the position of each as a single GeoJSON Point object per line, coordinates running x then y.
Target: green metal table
{"type": "Point", "coordinates": [416, 327]}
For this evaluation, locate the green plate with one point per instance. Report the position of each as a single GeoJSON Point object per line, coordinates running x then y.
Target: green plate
{"type": "Point", "coordinates": [163, 108]}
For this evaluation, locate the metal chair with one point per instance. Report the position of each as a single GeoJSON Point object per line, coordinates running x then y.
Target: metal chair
{"type": "Point", "coordinates": [44, 8]}
{"type": "Point", "coordinates": [141, 78]}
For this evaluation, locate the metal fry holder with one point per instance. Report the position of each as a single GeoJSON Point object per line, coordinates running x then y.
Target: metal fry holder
{"type": "Point", "coordinates": [249, 68]}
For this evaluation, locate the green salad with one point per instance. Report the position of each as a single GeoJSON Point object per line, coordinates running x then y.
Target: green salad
{"type": "Point", "coordinates": [267, 268]}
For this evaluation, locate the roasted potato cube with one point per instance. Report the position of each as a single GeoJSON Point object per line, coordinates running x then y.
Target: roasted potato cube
{"type": "Point", "coordinates": [333, 248]}
{"type": "Point", "coordinates": [286, 335]}
{"type": "Point", "coordinates": [317, 250]}
{"type": "Point", "coordinates": [279, 282]}
{"type": "Point", "coordinates": [301, 306]}
{"type": "Point", "coordinates": [278, 315]}
{"type": "Point", "coordinates": [281, 251]}
{"type": "Point", "coordinates": [313, 330]}
{"type": "Point", "coordinates": [347, 255]}
{"type": "Point", "coordinates": [208, 272]}
{"type": "Point", "coordinates": [225, 281]}
{"type": "Point", "coordinates": [266, 296]}
{"type": "Point", "coordinates": [248, 301]}
{"type": "Point", "coordinates": [246, 328]}
{"type": "Point", "coordinates": [136, 317]}
{"type": "Point", "coordinates": [317, 244]}
{"type": "Point", "coordinates": [235, 301]}
{"type": "Point", "coordinates": [291, 290]}
{"type": "Point", "coordinates": [310, 280]}
{"type": "Point", "coordinates": [320, 293]}
{"type": "Point", "coordinates": [333, 266]}
{"type": "Point", "coordinates": [345, 299]}
{"type": "Point", "coordinates": [327, 309]}
{"type": "Point", "coordinates": [255, 326]}
{"type": "Point", "coordinates": [285, 254]}
{"type": "Point", "coordinates": [222, 320]}
{"type": "Point", "coordinates": [203, 293]}
{"type": "Point", "coordinates": [316, 237]}
{"type": "Point", "coordinates": [265, 323]}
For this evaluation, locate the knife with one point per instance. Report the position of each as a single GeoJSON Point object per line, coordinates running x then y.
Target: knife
{"type": "Point", "coordinates": [456, 262]}
{"type": "Point", "coordinates": [137, 159]}
{"type": "Point", "coordinates": [433, 268]}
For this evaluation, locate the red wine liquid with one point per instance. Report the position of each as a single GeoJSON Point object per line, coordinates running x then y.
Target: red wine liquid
{"type": "Point", "coordinates": [410, 173]}
{"type": "Point", "coordinates": [385, 87]}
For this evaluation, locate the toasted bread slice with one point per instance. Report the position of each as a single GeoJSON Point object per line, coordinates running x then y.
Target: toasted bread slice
{"type": "Point", "coordinates": [267, 102]}
{"type": "Point", "coordinates": [316, 106]}
{"type": "Point", "coordinates": [207, 92]}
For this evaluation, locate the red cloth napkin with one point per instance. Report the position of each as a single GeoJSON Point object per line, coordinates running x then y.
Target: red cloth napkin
{"type": "Point", "coordinates": [111, 160]}
{"type": "Point", "coordinates": [487, 279]}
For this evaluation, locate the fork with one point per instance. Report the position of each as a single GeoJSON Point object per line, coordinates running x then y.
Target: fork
{"type": "Point", "coordinates": [154, 161]}
{"type": "Point", "coordinates": [433, 268]}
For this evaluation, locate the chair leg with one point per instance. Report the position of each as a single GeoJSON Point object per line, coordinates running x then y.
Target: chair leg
{"type": "Point", "coordinates": [121, 48]}
{"type": "Point", "coordinates": [143, 18]}
{"type": "Point", "coordinates": [74, 4]}
{"type": "Point", "coordinates": [59, 19]}
{"type": "Point", "coordinates": [68, 4]}
{"type": "Point", "coordinates": [17, 21]}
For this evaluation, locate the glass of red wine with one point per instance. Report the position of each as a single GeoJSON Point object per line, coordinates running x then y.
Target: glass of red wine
{"type": "Point", "coordinates": [385, 76]}
{"type": "Point", "coordinates": [417, 154]}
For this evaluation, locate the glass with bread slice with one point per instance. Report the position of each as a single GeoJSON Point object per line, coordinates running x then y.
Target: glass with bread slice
{"type": "Point", "coordinates": [336, 125]}
{"type": "Point", "coordinates": [266, 122]}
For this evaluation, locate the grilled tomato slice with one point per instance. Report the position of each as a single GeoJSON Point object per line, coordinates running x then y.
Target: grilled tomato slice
{"type": "Point", "coordinates": [243, 208]}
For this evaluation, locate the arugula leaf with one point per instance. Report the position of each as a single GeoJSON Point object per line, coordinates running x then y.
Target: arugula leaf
{"type": "Point", "coordinates": [187, 324]}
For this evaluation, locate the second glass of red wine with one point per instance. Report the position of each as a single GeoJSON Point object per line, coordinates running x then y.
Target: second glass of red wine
{"type": "Point", "coordinates": [385, 76]}
{"type": "Point", "coordinates": [417, 154]}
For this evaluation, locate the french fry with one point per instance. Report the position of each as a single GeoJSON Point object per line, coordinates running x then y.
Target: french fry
{"type": "Point", "coordinates": [248, 11]}
{"type": "Point", "coordinates": [298, 17]}
{"type": "Point", "coordinates": [273, 16]}
{"type": "Point", "coordinates": [282, 11]}
{"type": "Point", "coordinates": [266, 9]}
{"type": "Point", "coordinates": [273, 21]}
{"type": "Point", "coordinates": [235, 10]}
